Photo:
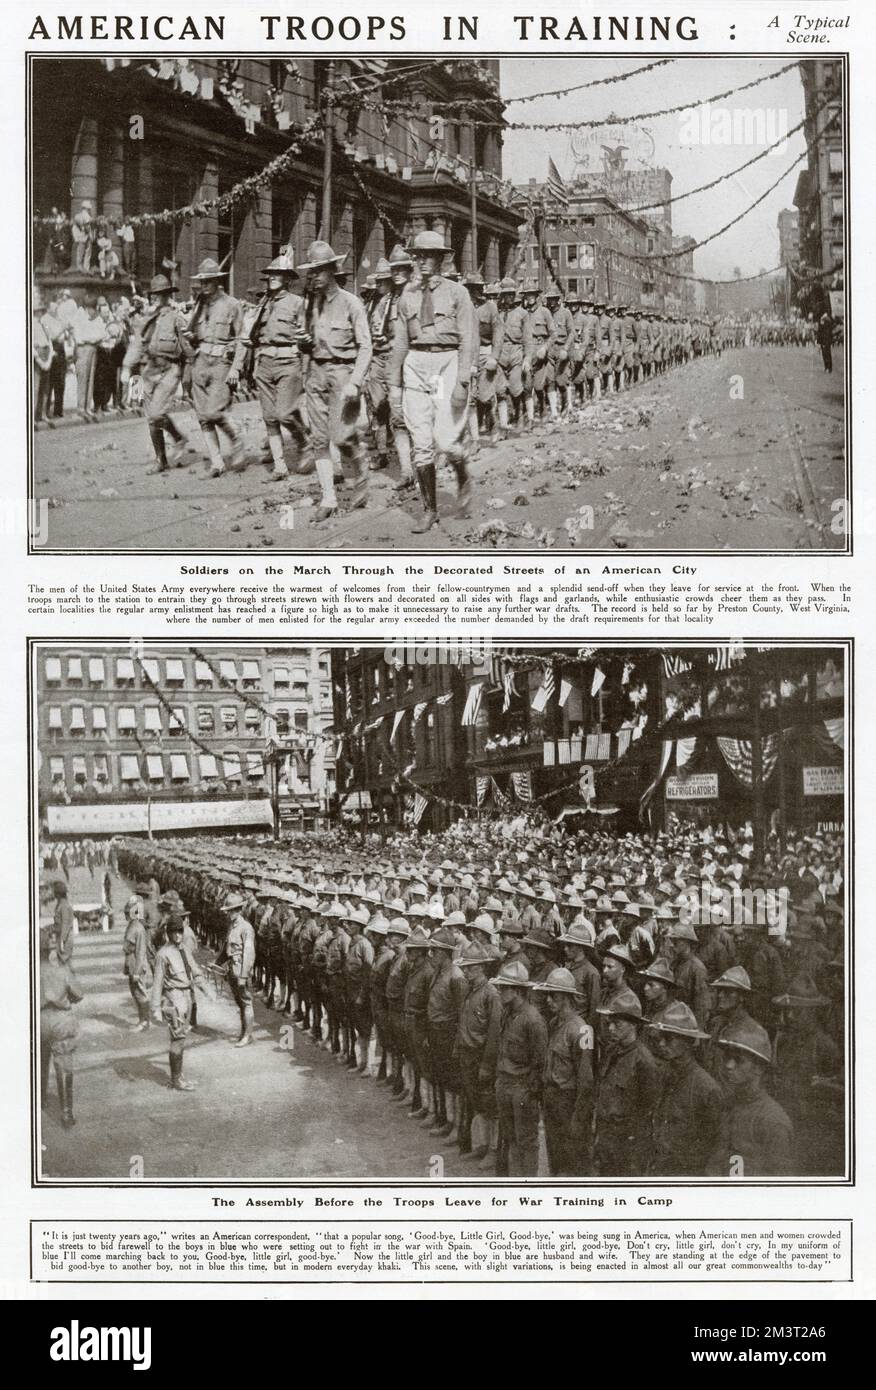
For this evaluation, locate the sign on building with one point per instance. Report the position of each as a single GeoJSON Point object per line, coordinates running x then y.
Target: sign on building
{"type": "Point", "coordinates": [699, 786]}
{"type": "Point", "coordinates": [823, 781]}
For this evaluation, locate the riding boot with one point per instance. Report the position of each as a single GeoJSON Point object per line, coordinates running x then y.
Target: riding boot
{"type": "Point", "coordinates": [67, 1118]}
{"type": "Point", "coordinates": [156, 434]}
{"type": "Point", "coordinates": [429, 493]}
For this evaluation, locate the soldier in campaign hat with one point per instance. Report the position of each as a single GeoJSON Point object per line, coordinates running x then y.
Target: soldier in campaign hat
{"type": "Point", "coordinates": [687, 1114]}
{"type": "Point", "coordinates": [272, 340]}
{"type": "Point", "coordinates": [519, 1073]}
{"type": "Point", "coordinates": [626, 1090]}
{"type": "Point", "coordinates": [756, 1135]}
{"type": "Point", "coordinates": [478, 1032]}
{"type": "Point", "coordinates": [157, 353]}
{"type": "Point", "coordinates": [214, 333]}
{"type": "Point", "coordinates": [567, 1095]}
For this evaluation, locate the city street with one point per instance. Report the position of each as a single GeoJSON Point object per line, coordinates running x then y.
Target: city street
{"type": "Point", "coordinates": [279, 1110]}
{"type": "Point", "coordinates": [680, 463]}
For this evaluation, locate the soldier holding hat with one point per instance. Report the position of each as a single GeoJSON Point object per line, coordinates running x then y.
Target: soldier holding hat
{"type": "Point", "coordinates": [688, 1111]}
{"type": "Point", "coordinates": [157, 349]}
{"type": "Point", "coordinates": [567, 1096]}
{"type": "Point", "coordinates": [215, 334]}
{"type": "Point", "coordinates": [433, 359]}
{"type": "Point", "coordinates": [337, 341]}
{"type": "Point", "coordinates": [273, 340]}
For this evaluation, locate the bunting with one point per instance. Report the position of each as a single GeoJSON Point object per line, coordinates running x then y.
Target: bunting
{"type": "Point", "coordinates": [522, 783]}
{"type": "Point", "coordinates": [737, 755]}
{"type": "Point", "coordinates": [566, 689]}
{"type": "Point", "coordinates": [397, 719]}
{"type": "Point", "coordinates": [473, 703]}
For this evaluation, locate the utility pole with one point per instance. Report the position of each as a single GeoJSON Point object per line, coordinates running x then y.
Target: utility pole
{"type": "Point", "coordinates": [541, 266]}
{"type": "Point", "coordinates": [325, 226]}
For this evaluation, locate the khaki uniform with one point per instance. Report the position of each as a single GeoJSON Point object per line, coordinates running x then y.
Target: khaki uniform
{"type": "Point", "coordinates": [157, 350]}
{"type": "Point", "coordinates": [216, 333]}
{"type": "Point", "coordinates": [426, 361]}
{"type": "Point", "coordinates": [277, 367]}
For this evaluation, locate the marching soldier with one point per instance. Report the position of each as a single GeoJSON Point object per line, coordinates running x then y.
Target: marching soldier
{"type": "Point", "coordinates": [215, 333]}
{"type": "Point", "coordinates": [561, 351]}
{"type": "Point", "coordinates": [688, 1111]}
{"type": "Point", "coordinates": [520, 1064]}
{"type": "Point", "coordinates": [157, 349]}
{"type": "Point", "coordinates": [433, 358]}
{"type": "Point", "coordinates": [137, 968]}
{"type": "Point", "coordinates": [490, 334]}
{"type": "Point", "coordinates": [515, 357]}
{"type": "Point", "coordinates": [541, 327]}
{"type": "Point", "coordinates": [273, 340]}
{"type": "Point", "coordinates": [337, 342]}
{"type": "Point", "coordinates": [59, 1028]}
{"type": "Point", "coordinates": [567, 1098]}
{"type": "Point", "coordinates": [177, 975]}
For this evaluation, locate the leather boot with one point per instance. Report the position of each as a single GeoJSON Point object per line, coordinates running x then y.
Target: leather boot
{"type": "Point", "coordinates": [429, 493]}
{"type": "Point", "coordinates": [156, 434]}
{"type": "Point", "coordinates": [67, 1117]}
{"type": "Point", "coordinates": [248, 1024]}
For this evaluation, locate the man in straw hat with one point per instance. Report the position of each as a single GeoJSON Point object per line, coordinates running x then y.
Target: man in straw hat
{"type": "Point", "coordinates": [337, 342]}
{"type": "Point", "coordinates": [157, 350]}
{"type": "Point", "coordinates": [215, 333]}
{"type": "Point", "coordinates": [688, 1111]}
{"type": "Point", "coordinates": [273, 340]}
{"type": "Point", "coordinates": [519, 1074]}
{"type": "Point", "coordinates": [567, 1098]}
{"type": "Point", "coordinates": [756, 1136]}
{"type": "Point", "coordinates": [433, 358]}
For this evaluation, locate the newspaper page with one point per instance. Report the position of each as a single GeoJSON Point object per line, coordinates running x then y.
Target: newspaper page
{"type": "Point", "coordinates": [437, 660]}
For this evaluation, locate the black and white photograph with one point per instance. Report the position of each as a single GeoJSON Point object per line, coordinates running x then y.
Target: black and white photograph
{"type": "Point", "coordinates": [439, 304]}
{"type": "Point", "coordinates": [468, 912]}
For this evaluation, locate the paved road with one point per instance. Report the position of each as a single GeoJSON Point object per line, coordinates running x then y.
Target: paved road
{"type": "Point", "coordinates": [281, 1110]}
{"type": "Point", "coordinates": [743, 452]}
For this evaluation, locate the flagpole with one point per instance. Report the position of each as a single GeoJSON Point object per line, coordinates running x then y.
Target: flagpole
{"type": "Point", "coordinates": [474, 203]}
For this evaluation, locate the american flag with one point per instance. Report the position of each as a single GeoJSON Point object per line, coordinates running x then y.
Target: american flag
{"type": "Point", "coordinates": [554, 185]}
{"type": "Point", "coordinates": [473, 703]}
{"type": "Point", "coordinates": [420, 804]}
{"type": "Point", "coordinates": [550, 683]}
{"type": "Point", "coordinates": [510, 689]}
{"type": "Point", "coordinates": [522, 785]}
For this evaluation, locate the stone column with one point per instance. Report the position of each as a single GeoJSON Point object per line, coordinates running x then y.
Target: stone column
{"type": "Point", "coordinates": [83, 170]}
{"type": "Point", "coordinates": [112, 204]}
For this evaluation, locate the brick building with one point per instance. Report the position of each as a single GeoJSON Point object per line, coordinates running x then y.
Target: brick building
{"type": "Point", "coordinates": [820, 192]}
{"type": "Point", "coordinates": [147, 135]}
{"type": "Point", "coordinates": [113, 757]}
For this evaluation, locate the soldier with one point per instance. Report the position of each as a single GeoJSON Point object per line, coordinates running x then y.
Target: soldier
{"type": "Point", "coordinates": [567, 1097]}
{"type": "Point", "coordinates": [730, 993]}
{"type": "Point", "coordinates": [59, 1028]}
{"type": "Point", "coordinates": [416, 1002]}
{"type": "Point", "coordinates": [336, 981]}
{"type": "Point", "coordinates": [337, 342]}
{"type": "Point", "coordinates": [756, 1136]}
{"type": "Point", "coordinates": [137, 969]}
{"type": "Point", "coordinates": [380, 313]}
{"type": "Point", "coordinates": [239, 954]}
{"type": "Point", "coordinates": [397, 934]}
{"type": "Point", "coordinates": [688, 1111]}
{"type": "Point", "coordinates": [157, 349]}
{"type": "Point", "coordinates": [626, 1091]}
{"type": "Point", "coordinates": [215, 333]}
{"type": "Point", "coordinates": [446, 995]}
{"type": "Point", "coordinates": [541, 327]}
{"type": "Point", "coordinates": [805, 1058]}
{"type": "Point", "coordinates": [177, 975]}
{"type": "Point", "coordinates": [691, 979]}
{"type": "Point", "coordinates": [520, 1063]}
{"type": "Point", "coordinates": [479, 1021]}
{"type": "Point", "coordinates": [515, 359]}
{"type": "Point", "coordinates": [605, 354]}
{"type": "Point", "coordinates": [577, 943]}
{"type": "Point", "coordinates": [562, 354]}
{"type": "Point", "coordinates": [484, 418]}
{"type": "Point", "coordinates": [658, 987]}
{"type": "Point", "coordinates": [384, 954]}
{"type": "Point", "coordinates": [433, 359]}
{"type": "Point", "coordinates": [272, 339]}
{"type": "Point", "coordinates": [64, 923]}
{"type": "Point", "coordinates": [357, 969]}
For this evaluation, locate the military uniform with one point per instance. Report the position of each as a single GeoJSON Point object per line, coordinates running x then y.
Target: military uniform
{"type": "Point", "coordinates": [490, 338]}
{"type": "Point", "coordinates": [59, 1030]}
{"type": "Point", "coordinates": [137, 966]}
{"type": "Point", "coordinates": [240, 955]}
{"type": "Point", "coordinates": [686, 1120]}
{"type": "Point", "coordinates": [479, 1023]}
{"type": "Point", "coordinates": [567, 1097]}
{"type": "Point", "coordinates": [273, 338]}
{"type": "Point", "coordinates": [519, 1078]}
{"type": "Point", "coordinates": [157, 350]}
{"type": "Point", "coordinates": [755, 1140]}
{"type": "Point", "coordinates": [339, 357]}
{"type": "Point", "coordinates": [215, 332]}
{"type": "Point", "coordinates": [625, 1098]}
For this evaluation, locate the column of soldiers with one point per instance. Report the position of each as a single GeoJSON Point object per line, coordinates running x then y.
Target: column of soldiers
{"type": "Point", "coordinates": [490, 1001]}
{"type": "Point", "coordinates": [421, 366]}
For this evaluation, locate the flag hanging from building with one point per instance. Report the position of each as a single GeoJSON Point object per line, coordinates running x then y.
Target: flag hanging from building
{"type": "Point", "coordinates": [473, 703]}
{"type": "Point", "coordinates": [420, 804]}
{"type": "Point", "coordinates": [566, 688]}
{"type": "Point", "coordinates": [481, 784]}
{"type": "Point", "coordinates": [499, 796]}
{"type": "Point", "coordinates": [727, 655]}
{"type": "Point", "coordinates": [399, 716]}
{"type": "Point", "coordinates": [522, 782]}
{"type": "Point", "coordinates": [598, 681]}
{"type": "Point", "coordinates": [510, 689]}
{"type": "Point", "coordinates": [554, 185]}
{"type": "Point", "coordinates": [674, 665]}
{"type": "Point", "coordinates": [445, 699]}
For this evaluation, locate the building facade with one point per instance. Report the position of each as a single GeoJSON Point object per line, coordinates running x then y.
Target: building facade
{"type": "Point", "coordinates": [820, 192]}
{"type": "Point", "coordinates": [592, 245]}
{"type": "Point", "coordinates": [163, 739]}
{"type": "Point", "coordinates": [788, 226]}
{"type": "Point", "coordinates": [143, 136]}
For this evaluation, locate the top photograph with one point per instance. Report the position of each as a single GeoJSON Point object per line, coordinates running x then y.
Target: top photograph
{"type": "Point", "coordinates": [414, 305]}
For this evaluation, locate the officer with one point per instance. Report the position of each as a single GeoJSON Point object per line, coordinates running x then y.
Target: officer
{"type": "Point", "coordinates": [756, 1137]}
{"type": "Point", "coordinates": [433, 358]}
{"type": "Point", "coordinates": [215, 335]}
{"type": "Point", "coordinates": [688, 1111]}
{"type": "Point", "coordinates": [176, 977]}
{"type": "Point", "coordinates": [337, 342]}
{"type": "Point", "coordinates": [479, 1021]}
{"type": "Point", "coordinates": [239, 953]}
{"type": "Point", "coordinates": [515, 359]}
{"type": "Point", "coordinates": [520, 1061]}
{"type": "Point", "coordinates": [273, 340]}
{"type": "Point", "coordinates": [157, 349]}
{"type": "Point", "coordinates": [626, 1091]}
{"type": "Point", "coordinates": [59, 1028]}
{"type": "Point", "coordinates": [484, 418]}
{"type": "Point", "coordinates": [137, 968]}
{"type": "Point", "coordinates": [567, 1097]}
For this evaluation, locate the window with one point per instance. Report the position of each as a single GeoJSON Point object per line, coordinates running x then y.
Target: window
{"type": "Point", "coordinates": [126, 719]}
{"type": "Point", "coordinates": [155, 767]}
{"type": "Point", "coordinates": [124, 671]}
{"type": "Point", "coordinates": [177, 722]}
{"type": "Point", "coordinates": [252, 675]}
{"type": "Point", "coordinates": [152, 719]}
{"type": "Point", "coordinates": [206, 721]}
{"type": "Point", "coordinates": [74, 669]}
{"type": "Point", "coordinates": [208, 768]}
{"type": "Point", "coordinates": [231, 766]}
{"type": "Point", "coordinates": [59, 776]}
{"type": "Point", "coordinates": [281, 677]}
{"type": "Point", "coordinates": [179, 767]}
{"type": "Point", "coordinates": [836, 251]}
{"type": "Point", "coordinates": [571, 286]}
{"type": "Point", "coordinates": [53, 670]}
{"type": "Point", "coordinates": [228, 715]}
{"type": "Point", "coordinates": [80, 772]}
{"type": "Point", "coordinates": [255, 766]}
{"type": "Point", "coordinates": [98, 719]}
{"type": "Point", "coordinates": [77, 720]}
{"type": "Point", "coordinates": [152, 669]}
{"type": "Point", "coordinates": [281, 719]}
{"type": "Point", "coordinates": [835, 162]}
{"type": "Point", "coordinates": [129, 768]}
{"type": "Point", "coordinates": [55, 724]}
{"type": "Point", "coordinates": [836, 207]}
{"type": "Point", "coordinates": [101, 768]}
{"type": "Point", "coordinates": [252, 721]}
{"type": "Point", "coordinates": [302, 719]}
{"type": "Point", "coordinates": [203, 674]}
{"type": "Point", "coordinates": [324, 668]}
{"type": "Point", "coordinates": [96, 672]}
{"type": "Point", "coordinates": [554, 252]}
{"type": "Point", "coordinates": [175, 673]}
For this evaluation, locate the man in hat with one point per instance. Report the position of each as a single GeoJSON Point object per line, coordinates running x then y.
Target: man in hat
{"type": "Point", "coordinates": [691, 979]}
{"type": "Point", "coordinates": [541, 327]}
{"type": "Point", "coordinates": [520, 1060]}
{"type": "Point", "coordinates": [478, 1040]}
{"type": "Point", "coordinates": [64, 923]}
{"type": "Point", "coordinates": [447, 993]}
{"type": "Point", "coordinates": [490, 334]}
{"type": "Point", "coordinates": [805, 1058]}
{"type": "Point", "coordinates": [731, 992]}
{"type": "Point", "coordinates": [337, 342]}
{"type": "Point", "coordinates": [418, 983]}
{"type": "Point", "coordinates": [157, 351]}
{"type": "Point", "coordinates": [561, 352]}
{"type": "Point", "coordinates": [59, 1028]}
{"type": "Point", "coordinates": [357, 970]}
{"type": "Point", "coordinates": [433, 359]}
{"type": "Point", "coordinates": [137, 967]}
{"type": "Point", "coordinates": [756, 1138]}
{"type": "Point", "coordinates": [215, 334]}
{"type": "Point", "coordinates": [397, 935]}
{"type": "Point", "coordinates": [658, 988]}
{"type": "Point", "coordinates": [688, 1111]}
{"type": "Point", "coordinates": [239, 954]}
{"type": "Point", "coordinates": [567, 1096]}
{"type": "Point", "coordinates": [384, 948]}
{"type": "Point", "coordinates": [578, 944]}
{"type": "Point", "coordinates": [176, 977]}
{"type": "Point", "coordinates": [626, 1091]}
{"type": "Point", "coordinates": [273, 341]}
{"type": "Point", "coordinates": [381, 321]}
{"type": "Point", "coordinates": [515, 359]}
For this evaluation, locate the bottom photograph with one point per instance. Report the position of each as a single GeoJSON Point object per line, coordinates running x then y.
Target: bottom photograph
{"type": "Point", "coordinates": [466, 912]}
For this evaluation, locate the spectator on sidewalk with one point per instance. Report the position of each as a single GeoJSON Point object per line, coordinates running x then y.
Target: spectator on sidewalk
{"type": "Point", "coordinates": [89, 329]}
{"type": "Point", "coordinates": [41, 346]}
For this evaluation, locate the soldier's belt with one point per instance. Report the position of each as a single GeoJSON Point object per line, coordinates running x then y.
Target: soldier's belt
{"type": "Point", "coordinates": [434, 347]}
{"type": "Point", "coordinates": [276, 350]}
{"type": "Point", "coordinates": [215, 349]}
